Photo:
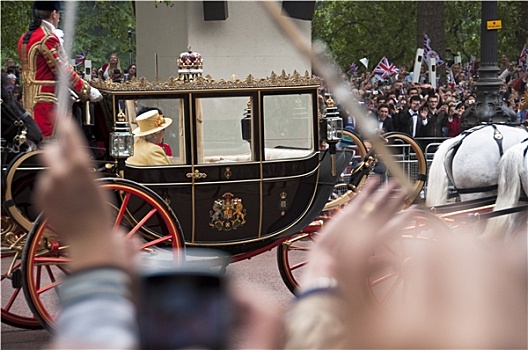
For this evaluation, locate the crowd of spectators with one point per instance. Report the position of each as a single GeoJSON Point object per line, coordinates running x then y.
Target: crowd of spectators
{"type": "Point", "coordinates": [13, 74]}
{"type": "Point", "coordinates": [440, 105]}
{"type": "Point", "coordinates": [445, 102]}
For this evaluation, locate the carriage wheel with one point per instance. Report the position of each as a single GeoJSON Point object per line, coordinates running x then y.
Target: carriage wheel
{"type": "Point", "coordinates": [45, 257]}
{"type": "Point", "coordinates": [408, 153]}
{"type": "Point", "coordinates": [342, 192]}
{"type": "Point", "coordinates": [387, 265]}
{"type": "Point", "coordinates": [291, 258]}
{"type": "Point", "coordinates": [15, 310]}
{"type": "Point", "coordinates": [386, 280]}
{"type": "Point", "coordinates": [19, 181]}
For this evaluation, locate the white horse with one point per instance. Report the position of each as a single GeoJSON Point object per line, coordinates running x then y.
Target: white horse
{"type": "Point", "coordinates": [513, 179]}
{"type": "Point", "coordinates": [470, 160]}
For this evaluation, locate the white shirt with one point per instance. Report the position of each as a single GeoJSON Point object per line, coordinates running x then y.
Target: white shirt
{"type": "Point", "coordinates": [58, 32]}
{"type": "Point", "coordinates": [414, 120]}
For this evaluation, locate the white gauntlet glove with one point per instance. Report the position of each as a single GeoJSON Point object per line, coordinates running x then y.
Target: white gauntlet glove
{"type": "Point", "coordinates": [95, 95]}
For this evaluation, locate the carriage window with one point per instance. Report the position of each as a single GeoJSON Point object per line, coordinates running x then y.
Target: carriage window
{"type": "Point", "coordinates": [173, 142]}
{"type": "Point", "coordinates": [288, 126]}
{"type": "Point", "coordinates": [219, 132]}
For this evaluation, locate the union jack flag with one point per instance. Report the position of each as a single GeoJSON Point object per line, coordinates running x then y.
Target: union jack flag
{"type": "Point", "coordinates": [522, 59]}
{"type": "Point", "coordinates": [385, 69]}
{"type": "Point", "coordinates": [430, 53]}
{"type": "Point", "coordinates": [353, 69]}
{"type": "Point", "coordinates": [80, 58]}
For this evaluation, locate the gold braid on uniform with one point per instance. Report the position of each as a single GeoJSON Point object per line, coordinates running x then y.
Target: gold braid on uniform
{"type": "Point", "coordinates": [53, 57]}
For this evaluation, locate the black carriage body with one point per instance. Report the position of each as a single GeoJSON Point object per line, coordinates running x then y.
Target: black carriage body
{"type": "Point", "coordinates": [234, 186]}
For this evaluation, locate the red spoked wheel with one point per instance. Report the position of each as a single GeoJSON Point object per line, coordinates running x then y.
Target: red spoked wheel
{"type": "Point", "coordinates": [18, 214]}
{"type": "Point", "coordinates": [386, 281]}
{"type": "Point", "coordinates": [389, 262]}
{"type": "Point", "coordinates": [15, 310]}
{"type": "Point", "coordinates": [291, 258]}
{"type": "Point", "coordinates": [291, 254]}
{"type": "Point", "coordinates": [138, 211]}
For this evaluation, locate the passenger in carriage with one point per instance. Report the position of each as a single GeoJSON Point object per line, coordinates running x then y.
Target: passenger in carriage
{"type": "Point", "coordinates": [150, 132]}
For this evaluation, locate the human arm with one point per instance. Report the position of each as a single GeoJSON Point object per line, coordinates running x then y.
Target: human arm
{"type": "Point", "coordinates": [446, 283]}
{"type": "Point", "coordinates": [424, 115]}
{"type": "Point", "coordinates": [55, 58]}
{"type": "Point", "coordinates": [96, 308]}
{"type": "Point", "coordinates": [520, 83]}
{"type": "Point", "coordinates": [84, 223]}
{"type": "Point", "coordinates": [336, 317]}
{"type": "Point", "coordinates": [506, 73]}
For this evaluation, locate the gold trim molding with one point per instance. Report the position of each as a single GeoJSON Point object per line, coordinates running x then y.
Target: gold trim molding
{"type": "Point", "coordinates": [207, 83]}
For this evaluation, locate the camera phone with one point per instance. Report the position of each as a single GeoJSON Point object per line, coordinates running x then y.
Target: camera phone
{"type": "Point", "coordinates": [184, 309]}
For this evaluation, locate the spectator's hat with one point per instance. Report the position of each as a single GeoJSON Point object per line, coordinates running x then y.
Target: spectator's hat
{"type": "Point", "coordinates": [151, 122]}
{"type": "Point", "coordinates": [47, 5]}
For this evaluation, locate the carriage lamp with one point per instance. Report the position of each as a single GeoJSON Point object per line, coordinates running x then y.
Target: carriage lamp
{"type": "Point", "coordinates": [332, 128]}
{"type": "Point", "coordinates": [246, 123]}
{"type": "Point", "coordinates": [121, 139]}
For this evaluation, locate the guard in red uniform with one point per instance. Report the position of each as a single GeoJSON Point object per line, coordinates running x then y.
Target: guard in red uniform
{"type": "Point", "coordinates": [42, 56]}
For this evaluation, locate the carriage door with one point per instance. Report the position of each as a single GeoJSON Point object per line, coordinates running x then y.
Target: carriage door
{"type": "Point", "coordinates": [226, 175]}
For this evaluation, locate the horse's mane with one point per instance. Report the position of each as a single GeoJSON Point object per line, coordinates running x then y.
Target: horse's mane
{"type": "Point", "coordinates": [437, 182]}
{"type": "Point", "coordinates": [513, 178]}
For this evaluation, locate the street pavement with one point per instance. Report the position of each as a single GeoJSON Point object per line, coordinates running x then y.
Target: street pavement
{"type": "Point", "coordinates": [260, 271]}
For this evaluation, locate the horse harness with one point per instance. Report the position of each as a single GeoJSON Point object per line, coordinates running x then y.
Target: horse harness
{"type": "Point", "coordinates": [497, 136]}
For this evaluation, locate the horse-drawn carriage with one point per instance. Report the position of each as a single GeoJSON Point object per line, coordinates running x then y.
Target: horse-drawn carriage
{"type": "Point", "coordinates": [246, 172]}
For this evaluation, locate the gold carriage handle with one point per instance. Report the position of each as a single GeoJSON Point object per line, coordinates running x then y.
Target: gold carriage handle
{"type": "Point", "coordinates": [196, 175]}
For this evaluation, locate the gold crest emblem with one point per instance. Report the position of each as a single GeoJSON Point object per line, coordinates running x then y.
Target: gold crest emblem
{"type": "Point", "coordinates": [283, 203]}
{"type": "Point", "coordinates": [228, 213]}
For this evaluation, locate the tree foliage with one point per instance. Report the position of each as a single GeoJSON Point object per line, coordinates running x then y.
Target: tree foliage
{"type": "Point", "coordinates": [356, 29]}
{"type": "Point", "coordinates": [351, 29]}
{"type": "Point", "coordinates": [15, 17]}
{"type": "Point", "coordinates": [101, 28]}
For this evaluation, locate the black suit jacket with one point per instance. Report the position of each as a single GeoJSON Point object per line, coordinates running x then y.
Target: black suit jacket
{"type": "Point", "coordinates": [387, 125]}
{"type": "Point", "coordinates": [405, 123]}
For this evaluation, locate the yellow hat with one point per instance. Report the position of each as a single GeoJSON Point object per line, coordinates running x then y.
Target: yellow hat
{"type": "Point", "coordinates": [151, 122]}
